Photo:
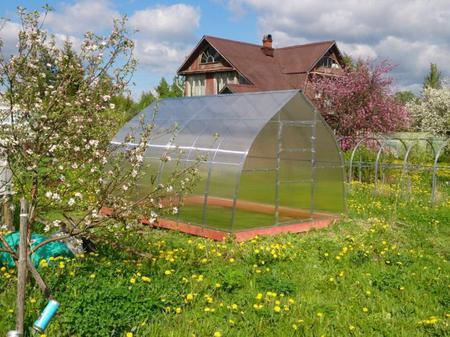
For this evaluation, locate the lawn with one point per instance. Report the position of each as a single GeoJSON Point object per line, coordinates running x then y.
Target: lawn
{"type": "Point", "coordinates": [382, 270]}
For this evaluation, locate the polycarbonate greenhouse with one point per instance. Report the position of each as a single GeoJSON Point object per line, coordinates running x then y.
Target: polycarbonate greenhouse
{"type": "Point", "coordinates": [272, 163]}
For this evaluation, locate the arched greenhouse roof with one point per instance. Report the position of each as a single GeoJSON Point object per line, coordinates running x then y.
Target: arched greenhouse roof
{"type": "Point", "coordinates": [270, 157]}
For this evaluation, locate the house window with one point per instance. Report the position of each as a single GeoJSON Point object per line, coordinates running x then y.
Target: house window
{"type": "Point", "coordinates": [222, 79]}
{"type": "Point", "coordinates": [197, 85]}
{"type": "Point", "coordinates": [328, 62]}
{"type": "Point", "coordinates": [210, 55]}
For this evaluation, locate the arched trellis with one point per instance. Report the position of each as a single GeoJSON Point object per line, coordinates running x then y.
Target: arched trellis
{"type": "Point", "coordinates": [408, 145]}
{"type": "Point", "coordinates": [379, 155]}
{"type": "Point", "coordinates": [405, 169]}
{"type": "Point", "coordinates": [435, 169]}
{"type": "Point", "coordinates": [358, 144]}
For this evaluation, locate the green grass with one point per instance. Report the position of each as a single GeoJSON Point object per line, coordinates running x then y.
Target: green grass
{"type": "Point", "coordinates": [382, 270]}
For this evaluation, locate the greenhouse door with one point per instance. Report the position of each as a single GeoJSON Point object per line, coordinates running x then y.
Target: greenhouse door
{"type": "Point", "coordinates": [295, 171]}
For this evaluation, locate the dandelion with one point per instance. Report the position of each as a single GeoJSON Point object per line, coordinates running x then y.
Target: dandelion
{"type": "Point", "coordinates": [189, 297]}
{"type": "Point", "coordinates": [146, 279]}
{"type": "Point", "coordinates": [277, 308]}
{"type": "Point", "coordinates": [259, 296]}
{"type": "Point", "coordinates": [132, 280]}
{"type": "Point", "coordinates": [319, 314]}
{"type": "Point", "coordinates": [351, 327]}
{"type": "Point", "coordinates": [129, 334]}
{"type": "Point", "coordinates": [365, 309]}
{"type": "Point", "coordinates": [92, 276]}
{"type": "Point", "coordinates": [217, 334]}
{"type": "Point", "coordinates": [178, 310]}
{"type": "Point", "coordinates": [168, 272]}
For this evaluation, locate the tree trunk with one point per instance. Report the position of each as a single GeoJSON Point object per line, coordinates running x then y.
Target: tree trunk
{"type": "Point", "coordinates": [7, 216]}
{"type": "Point", "coordinates": [22, 267]}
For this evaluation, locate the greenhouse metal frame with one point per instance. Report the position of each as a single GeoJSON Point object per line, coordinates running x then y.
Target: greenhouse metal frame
{"type": "Point", "coordinates": [271, 163]}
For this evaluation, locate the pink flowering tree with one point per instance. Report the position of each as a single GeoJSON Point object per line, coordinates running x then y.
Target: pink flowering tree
{"type": "Point", "coordinates": [360, 102]}
{"type": "Point", "coordinates": [57, 122]}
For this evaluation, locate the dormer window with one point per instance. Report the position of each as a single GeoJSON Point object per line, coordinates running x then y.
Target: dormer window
{"type": "Point", "coordinates": [210, 55]}
{"type": "Point", "coordinates": [328, 62]}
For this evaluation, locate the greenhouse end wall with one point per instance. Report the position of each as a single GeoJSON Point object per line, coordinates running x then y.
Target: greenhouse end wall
{"type": "Point", "coordinates": [270, 159]}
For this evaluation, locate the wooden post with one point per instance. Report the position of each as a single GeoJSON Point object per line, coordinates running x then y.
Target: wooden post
{"type": "Point", "coordinates": [22, 267]}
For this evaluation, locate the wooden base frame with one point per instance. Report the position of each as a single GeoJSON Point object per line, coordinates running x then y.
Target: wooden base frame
{"type": "Point", "coordinates": [316, 221]}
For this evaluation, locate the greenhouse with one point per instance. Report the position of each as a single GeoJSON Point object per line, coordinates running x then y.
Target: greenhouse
{"type": "Point", "coordinates": [270, 162]}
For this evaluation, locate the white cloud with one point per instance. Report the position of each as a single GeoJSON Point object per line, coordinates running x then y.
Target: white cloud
{"type": "Point", "coordinates": [165, 35]}
{"type": "Point", "coordinates": [412, 33]}
{"type": "Point", "coordinates": [82, 16]}
{"type": "Point", "coordinates": [175, 22]}
{"type": "Point", "coordinates": [8, 33]}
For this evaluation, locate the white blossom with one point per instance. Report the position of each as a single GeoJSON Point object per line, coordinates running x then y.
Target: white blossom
{"type": "Point", "coordinates": [432, 112]}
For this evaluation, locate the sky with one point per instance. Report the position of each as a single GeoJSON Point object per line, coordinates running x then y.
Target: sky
{"type": "Point", "coordinates": [409, 33]}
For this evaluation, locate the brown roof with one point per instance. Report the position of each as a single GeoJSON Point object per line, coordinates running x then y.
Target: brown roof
{"type": "Point", "coordinates": [286, 69]}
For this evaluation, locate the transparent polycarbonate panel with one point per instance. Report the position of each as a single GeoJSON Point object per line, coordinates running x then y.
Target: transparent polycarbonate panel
{"type": "Point", "coordinates": [329, 190]}
{"type": "Point", "coordinates": [297, 109]}
{"type": "Point", "coordinates": [327, 152]}
{"type": "Point", "coordinates": [295, 177]}
{"type": "Point", "coordinates": [295, 201]}
{"type": "Point", "coordinates": [192, 210]}
{"type": "Point", "coordinates": [221, 191]}
{"type": "Point", "coordinates": [255, 205]}
{"type": "Point", "coordinates": [262, 154]}
{"type": "Point", "coordinates": [296, 142]}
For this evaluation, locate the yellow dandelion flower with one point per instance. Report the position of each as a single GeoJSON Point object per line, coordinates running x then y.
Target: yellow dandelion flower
{"type": "Point", "coordinates": [178, 310]}
{"type": "Point", "coordinates": [132, 280]}
{"type": "Point", "coordinates": [217, 334]}
{"type": "Point", "coordinates": [277, 308]}
{"type": "Point", "coordinates": [319, 314]}
{"type": "Point", "coordinates": [146, 279]}
{"type": "Point", "coordinates": [189, 297]}
{"type": "Point", "coordinates": [232, 260]}
{"type": "Point", "coordinates": [168, 272]}
{"type": "Point", "coordinates": [365, 309]}
{"type": "Point", "coordinates": [129, 334]}
{"type": "Point", "coordinates": [92, 276]}
{"type": "Point", "coordinates": [351, 327]}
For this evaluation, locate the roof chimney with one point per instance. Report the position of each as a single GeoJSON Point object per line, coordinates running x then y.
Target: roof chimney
{"type": "Point", "coordinates": [267, 45]}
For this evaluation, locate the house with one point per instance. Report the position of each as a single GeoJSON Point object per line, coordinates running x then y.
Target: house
{"type": "Point", "coordinates": [218, 65]}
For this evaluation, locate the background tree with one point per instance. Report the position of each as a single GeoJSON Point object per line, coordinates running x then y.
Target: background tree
{"type": "Point", "coordinates": [433, 79]}
{"type": "Point", "coordinates": [164, 90]}
{"type": "Point", "coordinates": [432, 112]}
{"type": "Point", "coordinates": [405, 96]}
{"type": "Point", "coordinates": [57, 143]}
{"type": "Point", "coordinates": [360, 102]}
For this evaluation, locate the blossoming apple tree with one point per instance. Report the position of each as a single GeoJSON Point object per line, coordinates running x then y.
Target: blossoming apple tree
{"type": "Point", "coordinates": [56, 140]}
{"type": "Point", "coordinates": [360, 102]}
